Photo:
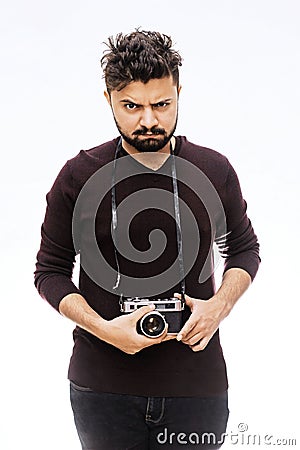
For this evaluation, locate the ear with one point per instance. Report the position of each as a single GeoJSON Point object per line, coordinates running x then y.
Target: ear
{"type": "Point", "coordinates": [179, 89]}
{"type": "Point", "coordinates": [107, 96]}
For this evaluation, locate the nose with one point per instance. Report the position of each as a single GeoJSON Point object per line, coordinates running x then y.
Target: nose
{"type": "Point", "coordinates": [148, 118]}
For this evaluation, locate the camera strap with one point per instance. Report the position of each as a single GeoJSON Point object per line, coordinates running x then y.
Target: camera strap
{"type": "Point", "coordinates": [177, 219]}
{"type": "Point", "coordinates": [178, 224]}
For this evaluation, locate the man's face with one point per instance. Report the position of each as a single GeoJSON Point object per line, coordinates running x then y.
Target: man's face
{"type": "Point", "coordinates": [146, 114]}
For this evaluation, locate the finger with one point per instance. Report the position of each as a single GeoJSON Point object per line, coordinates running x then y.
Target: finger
{"type": "Point", "coordinates": [189, 335]}
{"type": "Point", "coordinates": [193, 340]}
{"type": "Point", "coordinates": [201, 346]}
{"type": "Point", "coordinates": [187, 328]}
{"type": "Point", "coordinates": [140, 312]}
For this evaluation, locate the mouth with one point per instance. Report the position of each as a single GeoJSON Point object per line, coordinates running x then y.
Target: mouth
{"type": "Point", "coordinates": [150, 133]}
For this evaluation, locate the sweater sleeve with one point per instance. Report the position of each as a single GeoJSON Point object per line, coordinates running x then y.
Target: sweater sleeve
{"type": "Point", "coordinates": [56, 256]}
{"type": "Point", "coordinates": [240, 248]}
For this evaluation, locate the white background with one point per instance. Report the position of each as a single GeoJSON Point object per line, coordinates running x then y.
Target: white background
{"type": "Point", "coordinates": [240, 96]}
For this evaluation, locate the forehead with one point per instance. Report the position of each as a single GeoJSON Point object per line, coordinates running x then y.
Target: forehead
{"type": "Point", "coordinates": [154, 91]}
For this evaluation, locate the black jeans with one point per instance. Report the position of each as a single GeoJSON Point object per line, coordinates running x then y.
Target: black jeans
{"type": "Point", "coordinates": [119, 422]}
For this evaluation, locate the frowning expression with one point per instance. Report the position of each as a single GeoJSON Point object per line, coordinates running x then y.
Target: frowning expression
{"type": "Point", "coordinates": [146, 113]}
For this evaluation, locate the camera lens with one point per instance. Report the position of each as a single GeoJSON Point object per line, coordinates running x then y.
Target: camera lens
{"type": "Point", "coordinates": [153, 324]}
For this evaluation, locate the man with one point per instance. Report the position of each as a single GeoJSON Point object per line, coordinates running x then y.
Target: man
{"type": "Point", "coordinates": [128, 390]}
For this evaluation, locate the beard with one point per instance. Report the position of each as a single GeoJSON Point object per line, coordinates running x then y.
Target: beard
{"type": "Point", "coordinates": [151, 144]}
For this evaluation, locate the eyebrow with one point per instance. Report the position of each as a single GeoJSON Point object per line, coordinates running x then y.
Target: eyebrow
{"type": "Point", "coordinates": [165, 100]}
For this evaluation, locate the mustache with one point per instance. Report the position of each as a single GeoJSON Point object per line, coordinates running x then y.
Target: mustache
{"type": "Point", "coordinates": [143, 131]}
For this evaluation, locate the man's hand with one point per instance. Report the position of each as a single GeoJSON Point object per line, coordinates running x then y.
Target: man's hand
{"type": "Point", "coordinates": [121, 332]}
{"type": "Point", "coordinates": [207, 314]}
{"type": "Point", "coordinates": [203, 322]}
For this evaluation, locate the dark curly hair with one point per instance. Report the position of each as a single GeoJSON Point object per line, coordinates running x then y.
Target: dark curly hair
{"type": "Point", "coordinates": [139, 56]}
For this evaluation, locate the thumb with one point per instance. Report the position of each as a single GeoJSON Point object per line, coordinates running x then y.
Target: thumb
{"type": "Point", "coordinates": [140, 312]}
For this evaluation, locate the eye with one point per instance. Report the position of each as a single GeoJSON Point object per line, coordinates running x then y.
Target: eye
{"type": "Point", "coordinates": [161, 104]}
{"type": "Point", "coordinates": [130, 106]}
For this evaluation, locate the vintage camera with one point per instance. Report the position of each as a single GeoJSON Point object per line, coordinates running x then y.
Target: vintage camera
{"type": "Point", "coordinates": [168, 311]}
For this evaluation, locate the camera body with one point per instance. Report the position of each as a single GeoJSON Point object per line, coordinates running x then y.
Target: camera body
{"type": "Point", "coordinates": [167, 313]}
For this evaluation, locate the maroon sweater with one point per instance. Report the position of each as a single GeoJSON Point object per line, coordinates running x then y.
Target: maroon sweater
{"type": "Point", "coordinates": [171, 368]}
